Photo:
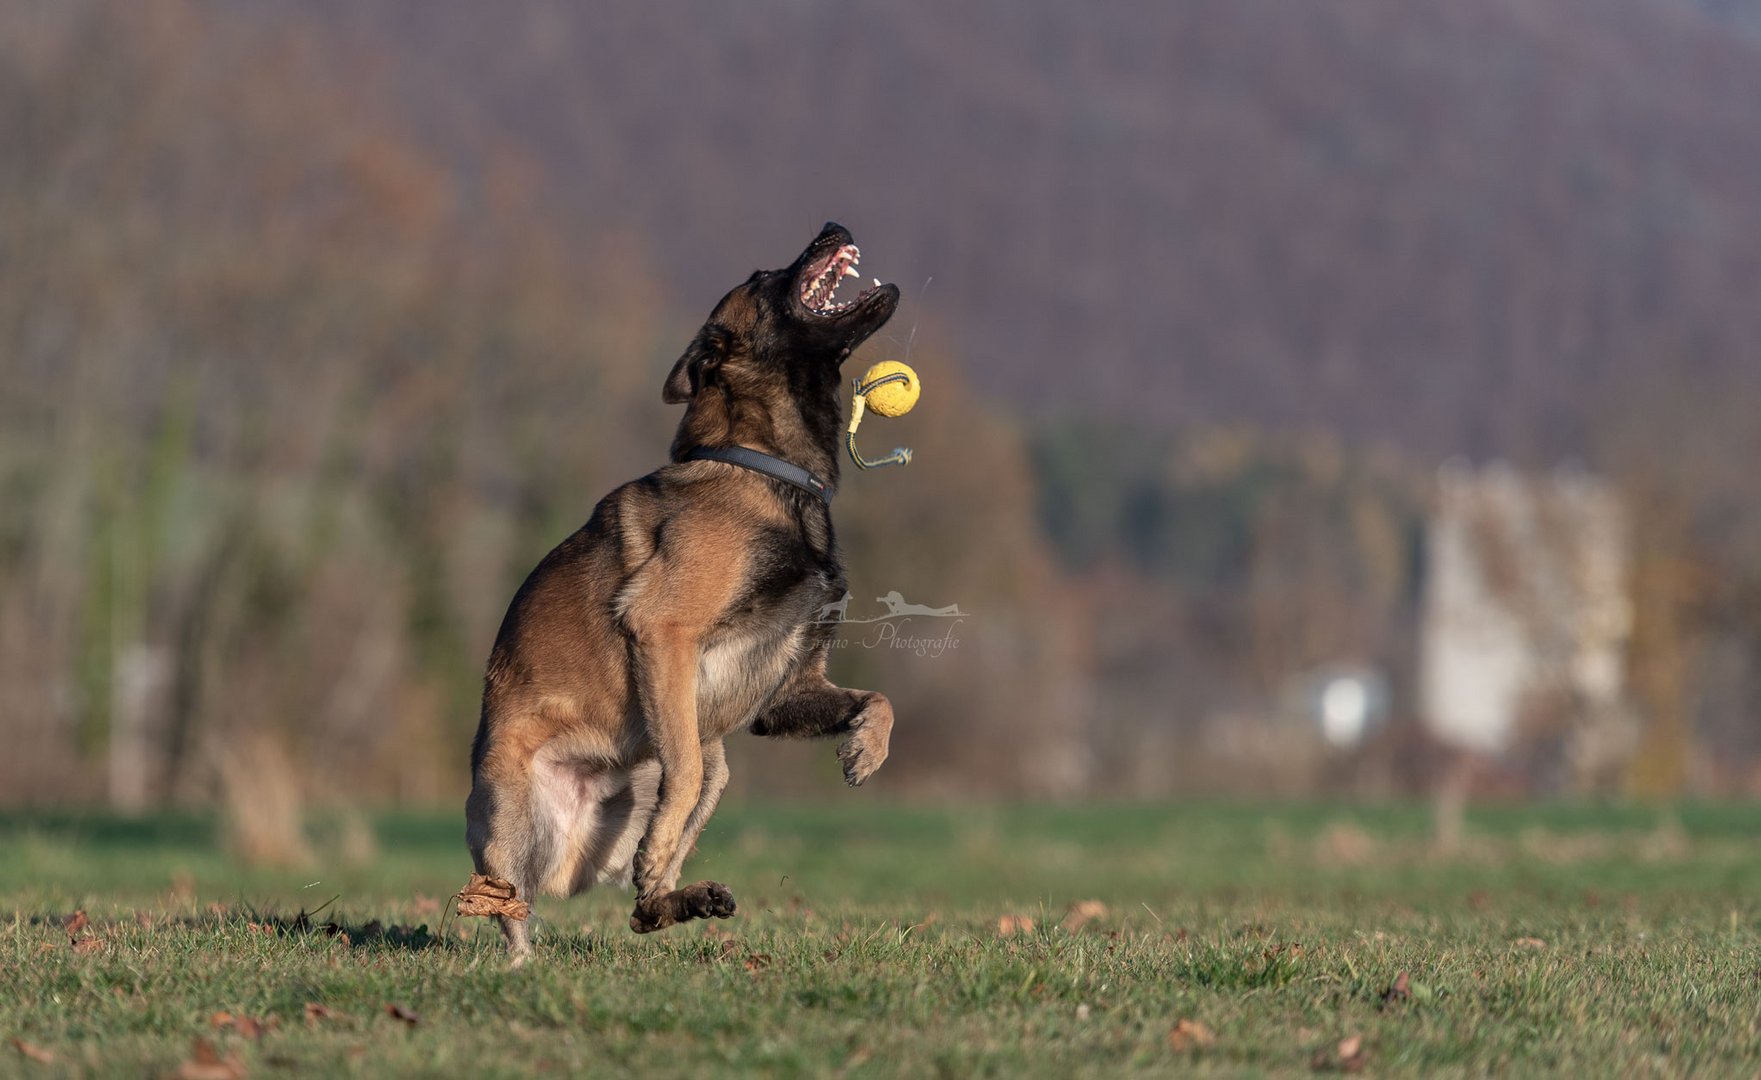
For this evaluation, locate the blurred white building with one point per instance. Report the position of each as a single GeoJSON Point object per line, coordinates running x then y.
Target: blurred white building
{"type": "Point", "coordinates": [1526, 615]}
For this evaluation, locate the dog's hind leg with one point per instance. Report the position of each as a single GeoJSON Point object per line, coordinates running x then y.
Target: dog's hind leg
{"type": "Point", "coordinates": [500, 832]}
{"type": "Point", "coordinates": [811, 706]}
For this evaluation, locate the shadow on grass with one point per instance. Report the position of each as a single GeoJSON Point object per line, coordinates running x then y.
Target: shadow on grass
{"type": "Point", "coordinates": [371, 934]}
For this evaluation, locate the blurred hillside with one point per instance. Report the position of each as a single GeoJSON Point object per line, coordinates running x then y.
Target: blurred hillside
{"type": "Point", "coordinates": [1462, 227]}
{"type": "Point", "coordinates": [320, 325]}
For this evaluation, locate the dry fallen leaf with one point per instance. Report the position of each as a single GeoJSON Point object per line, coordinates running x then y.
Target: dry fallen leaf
{"type": "Point", "coordinates": [74, 923]}
{"type": "Point", "coordinates": [756, 962]}
{"type": "Point", "coordinates": [207, 1064]}
{"type": "Point", "coordinates": [1014, 924]}
{"type": "Point", "coordinates": [247, 1026]}
{"type": "Point", "coordinates": [35, 1053]}
{"type": "Point", "coordinates": [1529, 943]}
{"type": "Point", "coordinates": [1351, 1053]}
{"type": "Point", "coordinates": [486, 895]}
{"type": "Point", "coordinates": [399, 1012]}
{"type": "Point", "coordinates": [1398, 990]}
{"type": "Point", "coordinates": [1082, 913]}
{"type": "Point", "coordinates": [87, 945]}
{"type": "Point", "coordinates": [1348, 1056]}
{"type": "Point", "coordinates": [316, 1013]}
{"type": "Point", "coordinates": [1190, 1035]}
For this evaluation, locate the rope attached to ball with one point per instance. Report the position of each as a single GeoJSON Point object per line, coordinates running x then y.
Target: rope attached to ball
{"type": "Point", "coordinates": [890, 388]}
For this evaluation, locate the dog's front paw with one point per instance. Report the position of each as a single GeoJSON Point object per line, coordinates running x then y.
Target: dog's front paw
{"type": "Point", "coordinates": [651, 916]}
{"type": "Point", "coordinates": [703, 900]}
{"type": "Point", "coordinates": [707, 900]}
{"type": "Point", "coordinates": [866, 747]}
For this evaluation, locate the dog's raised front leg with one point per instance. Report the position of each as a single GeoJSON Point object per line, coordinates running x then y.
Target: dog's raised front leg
{"type": "Point", "coordinates": [812, 707]}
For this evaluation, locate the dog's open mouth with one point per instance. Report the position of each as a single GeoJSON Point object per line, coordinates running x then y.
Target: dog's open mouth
{"type": "Point", "coordinates": [823, 278]}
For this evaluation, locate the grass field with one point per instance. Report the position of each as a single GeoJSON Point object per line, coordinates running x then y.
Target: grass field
{"type": "Point", "coordinates": [871, 941]}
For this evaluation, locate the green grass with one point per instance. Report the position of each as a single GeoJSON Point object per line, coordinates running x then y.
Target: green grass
{"type": "Point", "coordinates": [1596, 941]}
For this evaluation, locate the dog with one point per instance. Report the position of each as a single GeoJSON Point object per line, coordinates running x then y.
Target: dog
{"type": "Point", "coordinates": [682, 612]}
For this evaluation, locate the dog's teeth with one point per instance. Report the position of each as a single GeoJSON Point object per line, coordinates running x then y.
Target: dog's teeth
{"type": "Point", "coordinates": [877, 283]}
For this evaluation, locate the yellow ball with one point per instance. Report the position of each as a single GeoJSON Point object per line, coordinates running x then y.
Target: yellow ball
{"type": "Point", "coordinates": [895, 398]}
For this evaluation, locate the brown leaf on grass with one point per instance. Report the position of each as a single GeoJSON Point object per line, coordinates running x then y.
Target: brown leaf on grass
{"type": "Point", "coordinates": [1347, 1056]}
{"type": "Point", "coordinates": [87, 945]}
{"type": "Point", "coordinates": [249, 1027]}
{"type": "Point", "coordinates": [1529, 943]}
{"type": "Point", "coordinates": [34, 1053]}
{"type": "Point", "coordinates": [486, 895]}
{"type": "Point", "coordinates": [205, 1063]}
{"type": "Point", "coordinates": [756, 962]}
{"type": "Point", "coordinates": [1351, 1053]}
{"type": "Point", "coordinates": [1190, 1035]}
{"type": "Point", "coordinates": [1082, 913]}
{"type": "Point", "coordinates": [1009, 925]}
{"type": "Point", "coordinates": [74, 923]}
{"type": "Point", "coordinates": [317, 1014]}
{"type": "Point", "coordinates": [1398, 991]}
{"type": "Point", "coordinates": [402, 1014]}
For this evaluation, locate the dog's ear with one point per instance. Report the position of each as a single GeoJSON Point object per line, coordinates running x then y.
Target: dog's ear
{"type": "Point", "coordinates": [700, 361]}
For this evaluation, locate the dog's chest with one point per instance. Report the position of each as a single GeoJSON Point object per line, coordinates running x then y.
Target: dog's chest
{"type": "Point", "coordinates": [743, 666]}
{"type": "Point", "coordinates": [739, 672]}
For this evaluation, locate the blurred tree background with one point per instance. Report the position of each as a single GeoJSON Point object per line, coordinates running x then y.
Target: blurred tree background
{"type": "Point", "coordinates": [318, 326]}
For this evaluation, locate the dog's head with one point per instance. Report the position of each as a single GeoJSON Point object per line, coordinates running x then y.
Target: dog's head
{"type": "Point", "coordinates": [785, 331]}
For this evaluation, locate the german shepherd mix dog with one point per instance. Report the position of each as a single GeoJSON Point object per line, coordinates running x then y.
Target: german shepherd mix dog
{"type": "Point", "coordinates": [682, 612]}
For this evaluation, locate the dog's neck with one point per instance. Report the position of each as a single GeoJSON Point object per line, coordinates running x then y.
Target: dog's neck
{"type": "Point", "coordinates": [801, 428]}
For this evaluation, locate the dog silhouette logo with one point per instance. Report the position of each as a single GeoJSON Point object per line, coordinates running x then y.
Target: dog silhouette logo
{"type": "Point", "coordinates": [835, 612]}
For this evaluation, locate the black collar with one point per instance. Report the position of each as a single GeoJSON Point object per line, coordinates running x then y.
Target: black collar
{"type": "Point", "coordinates": [774, 467]}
